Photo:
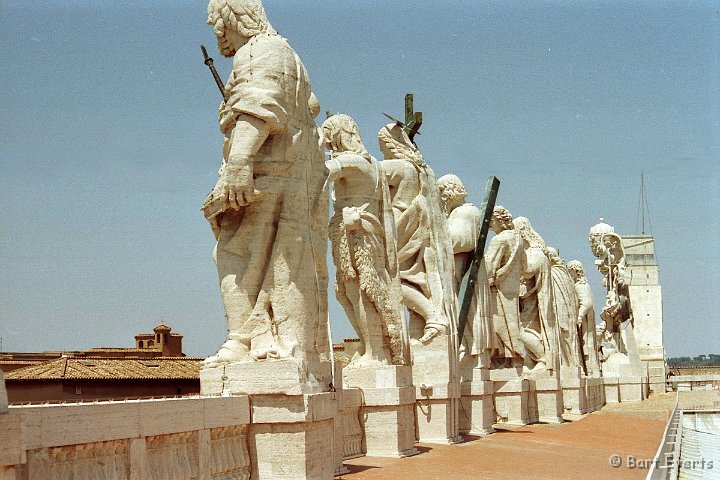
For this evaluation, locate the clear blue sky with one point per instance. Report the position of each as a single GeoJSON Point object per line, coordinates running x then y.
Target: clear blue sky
{"type": "Point", "coordinates": [109, 143]}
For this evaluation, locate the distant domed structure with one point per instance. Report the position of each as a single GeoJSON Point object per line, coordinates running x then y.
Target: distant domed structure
{"type": "Point", "coordinates": [601, 228]}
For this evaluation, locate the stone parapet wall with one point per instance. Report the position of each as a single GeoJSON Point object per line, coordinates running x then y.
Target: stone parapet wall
{"type": "Point", "coordinates": [173, 439]}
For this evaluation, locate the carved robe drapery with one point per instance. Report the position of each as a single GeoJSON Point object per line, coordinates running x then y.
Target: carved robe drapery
{"type": "Point", "coordinates": [505, 260]}
{"type": "Point", "coordinates": [565, 307]}
{"type": "Point", "coordinates": [271, 253]}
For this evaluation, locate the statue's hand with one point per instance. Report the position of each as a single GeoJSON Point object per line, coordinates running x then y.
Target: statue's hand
{"type": "Point", "coordinates": [236, 185]}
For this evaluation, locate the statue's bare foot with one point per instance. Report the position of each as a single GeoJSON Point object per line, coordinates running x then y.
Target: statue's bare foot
{"type": "Point", "coordinates": [429, 334]}
{"type": "Point", "coordinates": [230, 351]}
{"type": "Point", "coordinates": [270, 353]}
{"type": "Point", "coordinates": [540, 365]}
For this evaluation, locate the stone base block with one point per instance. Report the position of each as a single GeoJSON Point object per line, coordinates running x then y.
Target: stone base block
{"type": "Point", "coordinates": [292, 437]}
{"type": "Point", "coordinates": [292, 451]}
{"type": "Point", "coordinates": [611, 389]}
{"type": "Point", "coordinates": [477, 410]}
{"type": "Point", "coordinates": [267, 377]}
{"type": "Point", "coordinates": [546, 397]}
{"type": "Point", "coordinates": [633, 388]}
{"type": "Point", "coordinates": [511, 396]}
{"type": "Point", "coordinates": [625, 389]}
{"type": "Point", "coordinates": [574, 400]}
{"type": "Point", "coordinates": [437, 420]}
{"type": "Point", "coordinates": [582, 395]}
{"type": "Point", "coordinates": [437, 381]}
{"type": "Point", "coordinates": [594, 394]}
{"type": "Point", "coordinates": [377, 377]}
{"type": "Point", "coordinates": [387, 413]}
{"type": "Point", "coordinates": [389, 430]}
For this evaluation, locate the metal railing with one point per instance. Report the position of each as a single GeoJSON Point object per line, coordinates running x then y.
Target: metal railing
{"type": "Point", "coordinates": [665, 463]}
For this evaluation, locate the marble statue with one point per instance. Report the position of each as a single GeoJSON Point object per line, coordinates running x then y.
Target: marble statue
{"type": "Point", "coordinates": [585, 315]}
{"type": "Point", "coordinates": [565, 308]}
{"type": "Point", "coordinates": [268, 210]}
{"type": "Point", "coordinates": [362, 235]}
{"type": "Point", "coordinates": [463, 225]}
{"type": "Point", "coordinates": [505, 259]}
{"type": "Point", "coordinates": [423, 250]}
{"type": "Point", "coordinates": [536, 304]}
{"type": "Point", "coordinates": [607, 247]}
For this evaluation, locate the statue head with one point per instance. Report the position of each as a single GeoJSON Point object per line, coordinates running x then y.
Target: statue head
{"type": "Point", "coordinates": [341, 134]}
{"type": "Point", "coordinates": [235, 22]}
{"type": "Point", "coordinates": [534, 240]}
{"type": "Point", "coordinates": [577, 272]}
{"type": "Point", "coordinates": [452, 192]}
{"type": "Point", "coordinates": [395, 144]}
{"type": "Point", "coordinates": [554, 256]}
{"type": "Point", "coordinates": [501, 219]}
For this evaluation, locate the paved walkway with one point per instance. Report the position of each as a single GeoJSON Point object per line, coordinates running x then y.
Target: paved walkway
{"type": "Point", "coordinates": [579, 449]}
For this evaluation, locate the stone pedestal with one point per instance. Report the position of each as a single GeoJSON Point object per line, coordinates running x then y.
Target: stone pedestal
{"type": "Point", "coordinates": [594, 393]}
{"type": "Point", "coordinates": [291, 437]}
{"type": "Point", "coordinates": [581, 394]}
{"type": "Point", "coordinates": [653, 359]}
{"type": "Point", "coordinates": [626, 388]}
{"type": "Point", "coordinates": [387, 412]}
{"type": "Point", "coordinates": [267, 377]}
{"type": "Point", "coordinates": [292, 432]}
{"type": "Point", "coordinates": [546, 397]}
{"type": "Point", "coordinates": [573, 388]}
{"type": "Point", "coordinates": [624, 378]}
{"type": "Point", "coordinates": [437, 390]}
{"type": "Point", "coordinates": [477, 411]}
{"type": "Point", "coordinates": [511, 394]}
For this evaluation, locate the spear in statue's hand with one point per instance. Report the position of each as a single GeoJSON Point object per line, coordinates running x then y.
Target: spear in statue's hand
{"type": "Point", "coordinates": [209, 63]}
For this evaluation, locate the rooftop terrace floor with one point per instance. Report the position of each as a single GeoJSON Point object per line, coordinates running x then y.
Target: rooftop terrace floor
{"type": "Point", "coordinates": [580, 448]}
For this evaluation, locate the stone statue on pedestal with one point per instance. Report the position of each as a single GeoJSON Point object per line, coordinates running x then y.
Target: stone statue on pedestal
{"type": "Point", "coordinates": [606, 245]}
{"type": "Point", "coordinates": [505, 260]}
{"type": "Point", "coordinates": [268, 210]}
{"type": "Point", "coordinates": [565, 308]}
{"type": "Point", "coordinates": [536, 304]}
{"type": "Point", "coordinates": [363, 247]}
{"type": "Point", "coordinates": [424, 252]}
{"type": "Point", "coordinates": [463, 224]}
{"type": "Point", "coordinates": [585, 316]}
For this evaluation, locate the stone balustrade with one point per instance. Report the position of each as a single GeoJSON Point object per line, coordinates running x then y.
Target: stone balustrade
{"type": "Point", "coordinates": [168, 439]}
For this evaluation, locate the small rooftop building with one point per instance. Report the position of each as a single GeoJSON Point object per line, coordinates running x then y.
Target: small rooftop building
{"type": "Point", "coordinates": [155, 367]}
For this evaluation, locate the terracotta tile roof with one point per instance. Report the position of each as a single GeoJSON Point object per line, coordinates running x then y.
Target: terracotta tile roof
{"type": "Point", "coordinates": [179, 368]}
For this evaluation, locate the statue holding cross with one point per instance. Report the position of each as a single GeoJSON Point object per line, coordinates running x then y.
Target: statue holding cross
{"type": "Point", "coordinates": [423, 249]}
